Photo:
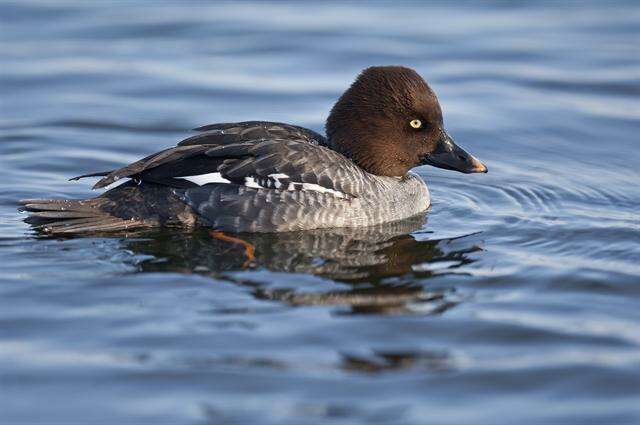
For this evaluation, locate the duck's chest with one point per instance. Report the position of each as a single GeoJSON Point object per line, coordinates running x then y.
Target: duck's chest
{"type": "Point", "coordinates": [396, 199]}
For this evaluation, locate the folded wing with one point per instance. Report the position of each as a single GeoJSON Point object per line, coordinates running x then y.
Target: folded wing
{"type": "Point", "coordinates": [249, 153]}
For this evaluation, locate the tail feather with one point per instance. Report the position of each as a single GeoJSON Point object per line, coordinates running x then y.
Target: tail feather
{"type": "Point", "coordinates": [86, 206]}
{"type": "Point", "coordinates": [69, 216]}
{"type": "Point", "coordinates": [124, 207]}
{"type": "Point", "coordinates": [90, 225]}
{"type": "Point", "coordinates": [60, 214]}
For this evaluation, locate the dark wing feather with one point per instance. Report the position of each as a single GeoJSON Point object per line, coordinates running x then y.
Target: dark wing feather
{"type": "Point", "coordinates": [177, 161]}
{"type": "Point", "coordinates": [300, 161]}
{"type": "Point", "coordinates": [167, 156]}
{"type": "Point", "coordinates": [225, 148]}
{"type": "Point", "coordinates": [97, 174]}
{"type": "Point", "coordinates": [218, 134]}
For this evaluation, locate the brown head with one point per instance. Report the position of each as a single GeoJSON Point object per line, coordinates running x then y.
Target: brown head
{"type": "Point", "coordinates": [390, 121]}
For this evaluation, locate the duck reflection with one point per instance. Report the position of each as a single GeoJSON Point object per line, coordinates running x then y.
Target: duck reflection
{"type": "Point", "coordinates": [382, 361]}
{"type": "Point", "coordinates": [384, 267]}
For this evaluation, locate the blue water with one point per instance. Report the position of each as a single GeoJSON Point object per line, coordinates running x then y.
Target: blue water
{"type": "Point", "coordinates": [516, 299]}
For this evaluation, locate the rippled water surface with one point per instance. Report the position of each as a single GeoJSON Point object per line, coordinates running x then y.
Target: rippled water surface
{"type": "Point", "coordinates": [515, 299]}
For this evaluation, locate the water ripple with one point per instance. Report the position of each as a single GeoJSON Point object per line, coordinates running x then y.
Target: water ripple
{"type": "Point", "coordinates": [517, 291]}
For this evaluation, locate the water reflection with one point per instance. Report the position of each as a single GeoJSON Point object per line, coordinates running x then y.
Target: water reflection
{"type": "Point", "coordinates": [382, 361]}
{"type": "Point", "coordinates": [381, 269]}
{"type": "Point", "coordinates": [384, 268]}
{"type": "Point", "coordinates": [368, 254]}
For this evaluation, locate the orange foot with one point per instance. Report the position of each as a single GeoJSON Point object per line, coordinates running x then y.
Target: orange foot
{"type": "Point", "coordinates": [248, 248]}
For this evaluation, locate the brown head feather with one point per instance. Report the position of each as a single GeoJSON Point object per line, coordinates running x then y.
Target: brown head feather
{"type": "Point", "coordinates": [370, 123]}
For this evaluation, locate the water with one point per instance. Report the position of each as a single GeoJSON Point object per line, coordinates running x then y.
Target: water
{"type": "Point", "coordinates": [514, 300]}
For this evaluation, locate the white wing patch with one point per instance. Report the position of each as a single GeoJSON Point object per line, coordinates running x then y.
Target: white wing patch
{"type": "Point", "coordinates": [203, 179]}
{"type": "Point", "coordinates": [278, 181]}
{"type": "Point", "coordinates": [252, 182]}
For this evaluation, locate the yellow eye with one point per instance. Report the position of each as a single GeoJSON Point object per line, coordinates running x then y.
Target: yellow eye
{"type": "Point", "coordinates": [415, 124]}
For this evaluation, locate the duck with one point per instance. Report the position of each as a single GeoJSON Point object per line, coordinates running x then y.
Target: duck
{"type": "Point", "coordinates": [261, 176]}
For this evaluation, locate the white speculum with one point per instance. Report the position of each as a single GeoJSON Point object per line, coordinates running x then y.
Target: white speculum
{"type": "Point", "coordinates": [203, 179]}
